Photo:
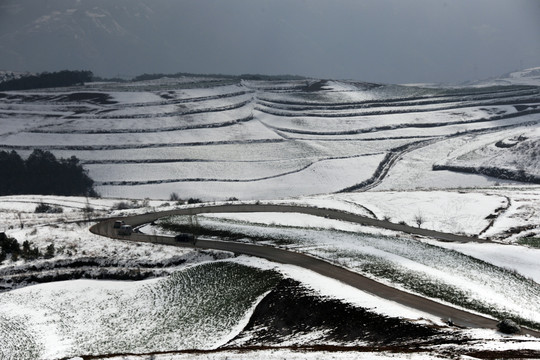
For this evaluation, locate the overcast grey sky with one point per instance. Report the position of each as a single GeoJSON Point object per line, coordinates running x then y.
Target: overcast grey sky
{"type": "Point", "coordinates": [393, 41]}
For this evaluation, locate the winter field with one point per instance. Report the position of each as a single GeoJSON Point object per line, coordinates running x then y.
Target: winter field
{"type": "Point", "coordinates": [456, 159]}
{"type": "Point", "coordinates": [276, 139]}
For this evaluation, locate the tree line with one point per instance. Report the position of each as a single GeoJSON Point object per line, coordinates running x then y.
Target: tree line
{"type": "Point", "coordinates": [146, 77]}
{"type": "Point", "coordinates": [48, 80]}
{"type": "Point", "coordinates": [41, 173]}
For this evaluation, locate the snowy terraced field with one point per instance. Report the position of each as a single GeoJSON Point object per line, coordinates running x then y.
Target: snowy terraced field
{"type": "Point", "coordinates": [215, 138]}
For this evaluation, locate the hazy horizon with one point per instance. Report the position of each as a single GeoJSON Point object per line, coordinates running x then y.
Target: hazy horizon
{"type": "Point", "coordinates": [388, 41]}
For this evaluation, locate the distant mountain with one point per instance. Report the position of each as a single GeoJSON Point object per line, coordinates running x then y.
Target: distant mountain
{"type": "Point", "coordinates": [12, 75]}
{"type": "Point", "coordinates": [529, 76]}
{"type": "Point", "coordinates": [97, 35]}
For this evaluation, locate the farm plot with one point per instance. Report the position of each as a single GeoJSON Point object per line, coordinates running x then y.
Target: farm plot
{"type": "Point", "coordinates": [413, 265]}
{"type": "Point", "coordinates": [244, 152]}
{"type": "Point", "coordinates": [243, 132]}
{"type": "Point", "coordinates": [447, 211]}
{"type": "Point", "coordinates": [522, 217]}
{"type": "Point", "coordinates": [170, 109]}
{"type": "Point", "coordinates": [197, 307]}
{"type": "Point", "coordinates": [515, 157]}
{"type": "Point", "coordinates": [364, 124]}
{"type": "Point", "coordinates": [322, 177]}
{"type": "Point", "coordinates": [415, 169]}
{"type": "Point", "coordinates": [171, 122]}
{"type": "Point", "coordinates": [195, 171]}
{"type": "Point", "coordinates": [147, 125]}
{"type": "Point", "coordinates": [443, 130]}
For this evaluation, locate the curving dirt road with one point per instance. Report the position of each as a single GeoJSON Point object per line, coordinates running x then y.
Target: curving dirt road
{"type": "Point", "coordinates": [459, 317]}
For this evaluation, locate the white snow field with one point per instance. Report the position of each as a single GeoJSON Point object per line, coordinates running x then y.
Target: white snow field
{"type": "Point", "coordinates": [214, 138]}
{"type": "Point", "coordinates": [51, 320]}
{"type": "Point", "coordinates": [462, 159]}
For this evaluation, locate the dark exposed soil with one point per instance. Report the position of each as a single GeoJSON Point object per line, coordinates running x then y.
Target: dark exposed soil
{"type": "Point", "coordinates": [316, 86]}
{"type": "Point", "coordinates": [291, 311]}
{"type": "Point", "coordinates": [92, 97]}
{"type": "Point", "coordinates": [96, 98]}
{"type": "Point", "coordinates": [505, 354]}
{"type": "Point", "coordinates": [507, 174]}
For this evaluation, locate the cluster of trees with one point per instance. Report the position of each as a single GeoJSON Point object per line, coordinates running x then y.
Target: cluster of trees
{"type": "Point", "coordinates": [11, 246]}
{"type": "Point", "coordinates": [47, 80]}
{"type": "Point", "coordinates": [43, 174]}
{"type": "Point", "coordinates": [146, 77]}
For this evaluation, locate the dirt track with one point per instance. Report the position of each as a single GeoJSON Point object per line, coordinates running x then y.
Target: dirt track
{"type": "Point", "coordinates": [459, 317]}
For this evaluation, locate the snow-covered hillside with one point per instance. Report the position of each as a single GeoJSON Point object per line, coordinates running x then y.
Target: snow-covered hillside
{"type": "Point", "coordinates": [529, 76]}
{"type": "Point", "coordinates": [205, 300]}
{"type": "Point", "coordinates": [407, 154]}
{"type": "Point", "coordinates": [215, 138]}
{"type": "Point", "coordinates": [516, 157]}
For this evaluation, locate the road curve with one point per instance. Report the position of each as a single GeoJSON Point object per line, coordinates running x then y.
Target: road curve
{"type": "Point", "coordinates": [459, 317]}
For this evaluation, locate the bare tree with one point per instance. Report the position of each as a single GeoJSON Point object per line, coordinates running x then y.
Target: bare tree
{"type": "Point", "coordinates": [419, 219]}
{"type": "Point", "coordinates": [19, 216]}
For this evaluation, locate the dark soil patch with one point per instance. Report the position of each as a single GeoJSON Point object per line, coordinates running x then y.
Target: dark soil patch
{"type": "Point", "coordinates": [316, 86]}
{"type": "Point", "coordinates": [96, 98]}
{"type": "Point", "coordinates": [291, 310]}
{"type": "Point", "coordinates": [507, 174]}
{"type": "Point", "coordinates": [505, 354]}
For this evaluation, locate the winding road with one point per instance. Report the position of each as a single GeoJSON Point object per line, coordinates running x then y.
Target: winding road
{"type": "Point", "coordinates": [458, 317]}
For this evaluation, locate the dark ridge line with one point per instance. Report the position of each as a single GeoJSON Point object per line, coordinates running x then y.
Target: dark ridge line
{"type": "Point", "coordinates": [146, 131]}
{"type": "Point", "coordinates": [136, 146]}
{"type": "Point", "coordinates": [177, 113]}
{"type": "Point", "coordinates": [168, 181]}
{"type": "Point", "coordinates": [405, 125]}
{"type": "Point", "coordinates": [366, 139]}
{"type": "Point", "coordinates": [304, 349]}
{"type": "Point", "coordinates": [271, 111]}
{"type": "Point", "coordinates": [14, 114]}
{"type": "Point", "coordinates": [158, 161]}
{"type": "Point", "coordinates": [531, 90]}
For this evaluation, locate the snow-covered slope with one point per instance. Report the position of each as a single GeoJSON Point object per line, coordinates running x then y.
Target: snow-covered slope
{"type": "Point", "coordinates": [215, 138]}
{"type": "Point", "coordinates": [529, 76]}
{"type": "Point", "coordinates": [516, 157]}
